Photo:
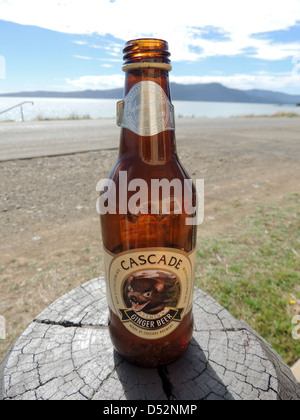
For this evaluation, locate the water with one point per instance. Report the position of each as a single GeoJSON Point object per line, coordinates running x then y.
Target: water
{"type": "Point", "coordinates": [52, 108]}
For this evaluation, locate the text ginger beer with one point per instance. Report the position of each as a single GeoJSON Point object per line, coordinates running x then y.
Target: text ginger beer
{"type": "Point", "coordinates": [149, 246]}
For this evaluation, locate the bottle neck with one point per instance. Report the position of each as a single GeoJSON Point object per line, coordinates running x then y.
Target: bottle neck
{"type": "Point", "coordinates": [146, 116]}
{"type": "Point", "coordinates": [157, 75]}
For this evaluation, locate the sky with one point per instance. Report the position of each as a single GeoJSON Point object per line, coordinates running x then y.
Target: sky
{"type": "Point", "coordinates": [67, 45]}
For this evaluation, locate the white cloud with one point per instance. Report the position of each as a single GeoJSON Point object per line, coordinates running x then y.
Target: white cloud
{"type": "Point", "coordinates": [174, 21]}
{"type": "Point", "coordinates": [82, 57]}
{"type": "Point", "coordinates": [96, 82]}
{"type": "Point", "coordinates": [182, 24]}
{"type": "Point", "coordinates": [80, 42]}
{"type": "Point", "coordinates": [260, 80]}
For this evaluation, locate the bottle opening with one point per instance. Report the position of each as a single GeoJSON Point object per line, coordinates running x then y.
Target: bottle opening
{"type": "Point", "coordinates": [146, 50]}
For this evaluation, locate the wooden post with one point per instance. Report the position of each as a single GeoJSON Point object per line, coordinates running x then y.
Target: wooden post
{"type": "Point", "coordinates": [66, 354]}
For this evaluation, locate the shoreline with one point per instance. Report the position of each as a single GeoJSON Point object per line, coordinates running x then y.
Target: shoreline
{"type": "Point", "coordinates": [75, 117]}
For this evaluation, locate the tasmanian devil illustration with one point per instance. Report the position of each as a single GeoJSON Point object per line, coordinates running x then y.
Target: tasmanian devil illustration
{"type": "Point", "coordinates": [151, 291]}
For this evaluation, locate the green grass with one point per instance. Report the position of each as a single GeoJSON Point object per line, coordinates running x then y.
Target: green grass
{"type": "Point", "coordinates": [279, 114]}
{"type": "Point", "coordinates": [71, 117]}
{"type": "Point", "coordinates": [255, 272]}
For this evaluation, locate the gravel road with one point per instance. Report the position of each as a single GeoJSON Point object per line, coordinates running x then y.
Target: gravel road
{"type": "Point", "coordinates": [54, 138]}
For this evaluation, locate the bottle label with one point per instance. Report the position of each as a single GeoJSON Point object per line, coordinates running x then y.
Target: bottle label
{"type": "Point", "coordinates": [146, 110]}
{"type": "Point", "coordinates": [150, 290]}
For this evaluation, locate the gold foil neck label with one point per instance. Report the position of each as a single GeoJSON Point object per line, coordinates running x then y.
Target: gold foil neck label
{"type": "Point", "coordinates": [146, 110]}
{"type": "Point", "coordinates": [150, 290]}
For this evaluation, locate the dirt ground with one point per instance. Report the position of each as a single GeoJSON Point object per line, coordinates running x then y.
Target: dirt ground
{"type": "Point", "coordinates": [50, 231]}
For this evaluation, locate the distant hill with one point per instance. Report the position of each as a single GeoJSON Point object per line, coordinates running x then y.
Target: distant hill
{"type": "Point", "coordinates": [92, 94]}
{"type": "Point", "coordinates": [208, 92]}
{"type": "Point", "coordinates": [274, 97]}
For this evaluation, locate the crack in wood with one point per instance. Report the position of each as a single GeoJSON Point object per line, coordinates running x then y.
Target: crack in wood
{"type": "Point", "coordinates": [69, 324]}
{"type": "Point", "coordinates": [166, 382]}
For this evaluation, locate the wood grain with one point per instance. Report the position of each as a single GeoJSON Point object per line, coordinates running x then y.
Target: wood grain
{"type": "Point", "coordinates": [66, 354]}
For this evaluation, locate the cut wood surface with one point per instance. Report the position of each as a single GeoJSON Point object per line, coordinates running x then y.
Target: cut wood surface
{"type": "Point", "coordinates": [66, 354]}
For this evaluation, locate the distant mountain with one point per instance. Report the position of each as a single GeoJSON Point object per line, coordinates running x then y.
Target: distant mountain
{"type": "Point", "coordinates": [268, 96]}
{"type": "Point", "coordinates": [215, 92]}
{"type": "Point", "coordinates": [209, 92]}
{"type": "Point", "coordinates": [87, 94]}
{"type": "Point", "coordinates": [212, 92]}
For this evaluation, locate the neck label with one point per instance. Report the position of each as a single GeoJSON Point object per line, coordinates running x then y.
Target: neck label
{"type": "Point", "coordinates": [146, 110]}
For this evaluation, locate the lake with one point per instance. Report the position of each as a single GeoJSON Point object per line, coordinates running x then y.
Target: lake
{"type": "Point", "coordinates": [53, 108]}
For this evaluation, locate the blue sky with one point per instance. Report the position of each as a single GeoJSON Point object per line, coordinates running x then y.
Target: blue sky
{"type": "Point", "coordinates": [74, 44]}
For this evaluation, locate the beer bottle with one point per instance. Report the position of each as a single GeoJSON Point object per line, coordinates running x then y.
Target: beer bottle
{"type": "Point", "coordinates": [149, 247]}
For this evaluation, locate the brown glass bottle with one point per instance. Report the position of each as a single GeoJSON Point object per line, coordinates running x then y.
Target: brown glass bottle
{"type": "Point", "coordinates": [148, 253]}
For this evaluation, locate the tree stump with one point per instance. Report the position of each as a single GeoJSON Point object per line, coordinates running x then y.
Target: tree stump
{"type": "Point", "coordinates": [66, 354]}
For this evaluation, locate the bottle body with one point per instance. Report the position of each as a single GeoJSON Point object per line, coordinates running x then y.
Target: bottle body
{"type": "Point", "coordinates": [149, 248]}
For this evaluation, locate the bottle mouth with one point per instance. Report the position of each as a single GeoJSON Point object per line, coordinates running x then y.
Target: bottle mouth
{"type": "Point", "coordinates": [146, 50]}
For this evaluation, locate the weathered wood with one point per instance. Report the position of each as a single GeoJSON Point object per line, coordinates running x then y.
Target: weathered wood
{"type": "Point", "coordinates": [66, 354]}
